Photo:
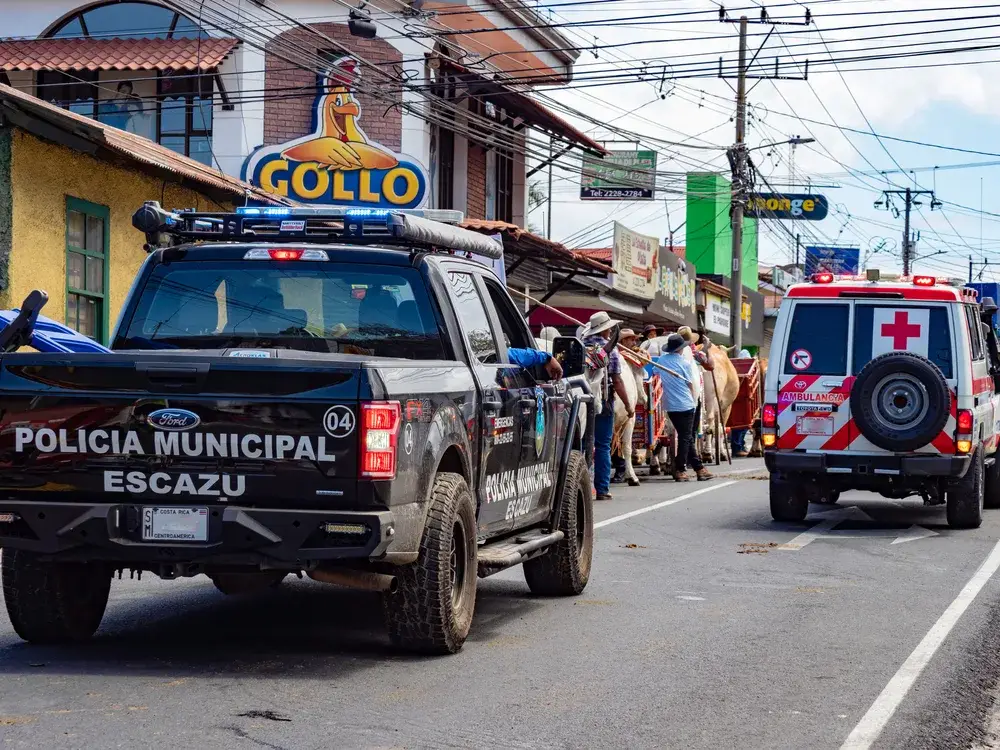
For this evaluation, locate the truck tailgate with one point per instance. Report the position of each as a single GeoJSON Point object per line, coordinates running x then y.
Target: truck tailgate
{"type": "Point", "coordinates": [257, 432]}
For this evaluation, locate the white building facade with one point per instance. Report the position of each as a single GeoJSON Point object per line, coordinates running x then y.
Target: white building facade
{"type": "Point", "coordinates": [432, 111]}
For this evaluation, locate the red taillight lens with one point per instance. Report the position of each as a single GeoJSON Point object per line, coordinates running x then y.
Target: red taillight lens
{"type": "Point", "coordinates": [924, 281]}
{"type": "Point", "coordinates": [822, 278]}
{"type": "Point", "coordinates": [769, 415]}
{"type": "Point", "coordinates": [281, 254]}
{"type": "Point", "coordinates": [379, 430]}
{"type": "Point", "coordinates": [965, 422]}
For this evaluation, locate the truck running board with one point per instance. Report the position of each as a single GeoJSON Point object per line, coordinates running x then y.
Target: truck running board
{"type": "Point", "coordinates": [509, 552]}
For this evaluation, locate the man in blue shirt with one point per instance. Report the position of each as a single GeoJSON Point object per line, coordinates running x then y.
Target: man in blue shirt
{"type": "Point", "coordinates": [679, 395]}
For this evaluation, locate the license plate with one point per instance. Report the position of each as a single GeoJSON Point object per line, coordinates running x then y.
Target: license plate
{"type": "Point", "coordinates": [814, 425]}
{"type": "Point", "coordinates": [175, 524]}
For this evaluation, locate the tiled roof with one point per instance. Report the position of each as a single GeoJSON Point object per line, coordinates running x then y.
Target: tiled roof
{"type": "Point", "coordinates": [111, 144]}
{"type": "Point", "coordinates": [540, 245]}
{"type": "Point", "coordinates": [114, 54]}
{"type": "Point", "coordinates": [597, 253]}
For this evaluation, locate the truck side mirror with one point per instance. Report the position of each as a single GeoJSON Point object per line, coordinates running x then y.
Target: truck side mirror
{"type": "Point", "coordinates": [570, 353]}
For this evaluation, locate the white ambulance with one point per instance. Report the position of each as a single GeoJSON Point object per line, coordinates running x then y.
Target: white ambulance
{"type": "Point", "coordinates": [883, 386]}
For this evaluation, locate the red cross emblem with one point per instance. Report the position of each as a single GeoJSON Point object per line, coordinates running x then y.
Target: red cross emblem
{"type": "Point", "coordinates": [900, 330]}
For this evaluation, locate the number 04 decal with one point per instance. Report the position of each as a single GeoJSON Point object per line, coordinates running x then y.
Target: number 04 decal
{"type": "Point", "coordinates": [338, 421]}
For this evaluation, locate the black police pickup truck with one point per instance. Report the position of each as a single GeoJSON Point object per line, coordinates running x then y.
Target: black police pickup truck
{"type": "Point", "coordinates": [291, 390]}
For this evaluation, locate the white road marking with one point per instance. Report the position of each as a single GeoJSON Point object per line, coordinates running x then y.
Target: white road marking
{"type": "Point", "coordinates": [874, 721]}
{"type": "Point", "coordinates": [727, 472]}
{"type": "Point", "coordinates": [664, 504]}
{"type": "Point", "coordinates": [690, 598]}
{"type": "Point", "coordinates": [830, 518]}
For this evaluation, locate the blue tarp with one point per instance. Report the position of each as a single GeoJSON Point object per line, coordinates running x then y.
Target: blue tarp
{"type": "Point", "coordinates": [50, 336]}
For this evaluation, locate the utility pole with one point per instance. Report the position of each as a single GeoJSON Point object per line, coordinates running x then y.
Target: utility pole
{"type": "Point", "coordinates": [798, 244]}
{"type": "Point", "coordinates": [911, 198]}
{"type": "Point", "coordinates": [548, 219]}
{"type": "Point", "coordinates": [738, 158]}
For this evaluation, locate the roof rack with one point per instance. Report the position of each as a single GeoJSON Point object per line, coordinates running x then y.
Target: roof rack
{"type": "Point", "coordinates": [407, 228]}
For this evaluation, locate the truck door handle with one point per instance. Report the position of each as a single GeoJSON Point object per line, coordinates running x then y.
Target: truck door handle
{"type": "Point", "coordinates": [173, 376]}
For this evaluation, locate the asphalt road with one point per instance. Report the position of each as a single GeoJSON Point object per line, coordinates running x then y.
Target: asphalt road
{"type": "Point", "coordinates": [699, 629]}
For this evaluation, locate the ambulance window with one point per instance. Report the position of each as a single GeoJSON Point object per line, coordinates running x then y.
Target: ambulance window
{"type": "Point", "coordinates": [879, 329]}
{"type": "Point", "coordinates": [817, 340]}
{"type": "Point", "coordinates": [975, 332]}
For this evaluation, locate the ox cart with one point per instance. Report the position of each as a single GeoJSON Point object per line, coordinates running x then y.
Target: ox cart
{"type": "Point", "coordinates": [745, 412]}
{"type": "Point", "coordinates": [653, 442]}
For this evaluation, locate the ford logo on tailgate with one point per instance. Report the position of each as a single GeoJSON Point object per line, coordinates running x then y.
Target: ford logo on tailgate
{"type": "Point", "coordinates": [173, 420]}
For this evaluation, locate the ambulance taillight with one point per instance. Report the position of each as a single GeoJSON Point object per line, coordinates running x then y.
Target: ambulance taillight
{"type": "Point", "coordinates": [769, 425]}
{"type": "Point", "coordinates": [963, 435]}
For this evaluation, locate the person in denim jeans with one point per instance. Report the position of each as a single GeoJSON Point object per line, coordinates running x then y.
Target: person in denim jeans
{"type": "Point", "coordinates": [595, 334]}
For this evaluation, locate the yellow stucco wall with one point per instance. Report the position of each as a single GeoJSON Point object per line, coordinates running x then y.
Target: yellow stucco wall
{"type": "Point", "coordinates": [42, 176]}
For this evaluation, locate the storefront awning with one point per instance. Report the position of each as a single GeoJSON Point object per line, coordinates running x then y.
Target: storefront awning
{"type": "Point", "coordinates": [518, 104]}
{"type": "Point", "coordinates": [115, 54]}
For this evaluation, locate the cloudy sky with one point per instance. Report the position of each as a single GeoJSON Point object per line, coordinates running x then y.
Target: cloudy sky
{"type": "Point", "coordinates": [931, 98]}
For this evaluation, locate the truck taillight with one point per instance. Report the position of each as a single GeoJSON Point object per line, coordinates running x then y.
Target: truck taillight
{"type": "Point", "coordinates": [379, 431]}
{"type": "Point", "coordinates": [769, 425]}
{"type": "Point", "coordinates": [963, 435]}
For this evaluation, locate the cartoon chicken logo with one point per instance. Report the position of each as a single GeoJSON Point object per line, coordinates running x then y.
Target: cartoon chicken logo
{"type": "Point", "coordinates": [339, 144]}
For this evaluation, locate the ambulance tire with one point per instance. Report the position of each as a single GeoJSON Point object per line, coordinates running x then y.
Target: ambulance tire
{"type": "Point", "coordinates": [431, 611]}
{"type": "Point", "coordinates": [789, 499]}
{"type": "Point", "coordinates": [904, 368]}
{"type": "Point", "coordinates": [52, 602]}
{"type": "Point", "coordinates": [966, 496]}
{"type": "Point", "coordinates": [992, 489]}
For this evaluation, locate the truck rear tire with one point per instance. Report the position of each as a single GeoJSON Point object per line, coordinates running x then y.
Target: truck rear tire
{"type": "Point", "coordinates": [789, 499]}
{"type": "Point", "coordinates": [565, 568]}
{"type": "Point", "coordinates": [966, 497]}
{"type": "Point", "coordinates": [431, 611]}
{"type": "Point", "coordinates": [50, 602]}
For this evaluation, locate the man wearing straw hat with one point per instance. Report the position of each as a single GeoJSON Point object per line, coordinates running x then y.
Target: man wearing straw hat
{"type": "Point", "coordinates": [630, 340]}
{"type": "Point", "coordinates": [596, 333]}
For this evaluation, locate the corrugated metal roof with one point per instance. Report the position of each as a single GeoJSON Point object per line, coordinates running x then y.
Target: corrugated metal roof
{"type": "Point", "coordinates": [546, 247]}
{"type": "Point", "coordinates": [115, 54]}
{"type": "Point", "coordinates": [45, 121]}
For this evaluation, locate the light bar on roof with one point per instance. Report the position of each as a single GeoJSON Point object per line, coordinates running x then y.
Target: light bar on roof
{"type": "Point", "coordinates": [347, 212]}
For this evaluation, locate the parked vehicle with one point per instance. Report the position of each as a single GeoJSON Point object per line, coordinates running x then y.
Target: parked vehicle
{"type": "Point", "coordinates": [319, 390]}
{"type": "Point", "coordinates": [887, 387]}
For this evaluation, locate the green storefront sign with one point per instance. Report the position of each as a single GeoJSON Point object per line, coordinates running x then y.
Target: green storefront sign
{"type": "Point", "coordinates": [621, 175]}
{"type": "Point", "coordinates": [709, 232]}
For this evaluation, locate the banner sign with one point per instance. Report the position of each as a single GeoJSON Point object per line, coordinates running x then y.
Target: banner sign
{"type": "Point", "coordinates": [676, 285]}
{"type": "Point", "coordinates": [752, 315]}
{"type": "Point", "coordinates": [839, 260]}
{"type": "Point", "coordinates": [337, 164]}
{"type": "Point", "coordinates": [634, 258]}
{"type": "Point", "coordinates": [621, 175]}
{"type": "Point", "coordinates": [786, 206]}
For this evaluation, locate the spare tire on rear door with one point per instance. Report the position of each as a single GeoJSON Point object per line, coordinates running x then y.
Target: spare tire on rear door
{"type": "Point", "coordinates": [900, 401]}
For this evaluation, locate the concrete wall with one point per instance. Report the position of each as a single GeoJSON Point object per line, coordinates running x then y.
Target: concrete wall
{"type": "Point", "coordinates": [40, 178]}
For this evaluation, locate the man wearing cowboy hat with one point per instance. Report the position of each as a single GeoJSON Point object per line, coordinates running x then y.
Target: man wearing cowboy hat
{"type": "Point", "coordinates": [596, 333]}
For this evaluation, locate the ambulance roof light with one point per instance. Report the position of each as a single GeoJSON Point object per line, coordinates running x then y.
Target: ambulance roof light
{"type": "Point", "coordinates": [924, 281]}
{"type": "Point", "coordinates": [822, 278]}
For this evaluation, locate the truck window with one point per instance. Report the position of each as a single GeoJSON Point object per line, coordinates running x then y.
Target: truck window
{"type": "Point", "coordinates": [381, 311]}
{"type": "Point", "coordinates": [907, 323]}
{"type": "Point", "coordinates": [975, 332]}
{"type": "Point", "coordinates": [817, 340]}
{"type": "Point", "coordinates": [473, 318]}
{"type": "Point", "coordinates": [511, 322]}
